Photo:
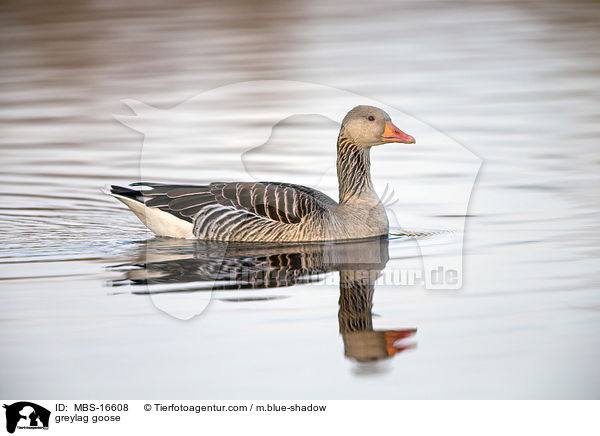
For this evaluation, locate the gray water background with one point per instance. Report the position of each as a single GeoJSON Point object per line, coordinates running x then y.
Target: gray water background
{"type": "Point", "coordinates": [515, 82]}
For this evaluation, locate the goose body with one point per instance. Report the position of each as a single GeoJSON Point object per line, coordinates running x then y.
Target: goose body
{"type": "Point", "coordinates": [274, 211]}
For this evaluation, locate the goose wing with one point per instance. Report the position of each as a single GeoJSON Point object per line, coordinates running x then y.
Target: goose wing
{"type": "Point", "coordinates": [276, 202]}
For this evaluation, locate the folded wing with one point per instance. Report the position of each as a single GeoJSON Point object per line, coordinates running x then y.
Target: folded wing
{"type": "Point", "coordinates": [219, 206]}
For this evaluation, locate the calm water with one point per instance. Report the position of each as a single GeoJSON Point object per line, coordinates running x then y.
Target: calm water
{"type": "Point", "coordinates": [92, 303]}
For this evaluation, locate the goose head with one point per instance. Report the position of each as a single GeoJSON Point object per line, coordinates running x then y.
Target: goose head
{"type": "Point", "coordinates": [368, 126]}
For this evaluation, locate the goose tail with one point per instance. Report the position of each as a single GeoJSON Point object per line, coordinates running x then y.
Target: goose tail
{"type": "Point", "coordinates": [122, 192]}
{"type": "Point", "coordinates": [162, 223]}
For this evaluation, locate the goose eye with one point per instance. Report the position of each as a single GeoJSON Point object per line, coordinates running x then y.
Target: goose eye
{"type": "Point", "coordinates": [371, 118]}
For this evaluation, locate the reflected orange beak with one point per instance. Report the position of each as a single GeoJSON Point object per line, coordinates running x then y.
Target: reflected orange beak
{"type": "Point", "coordinates": [393, 336]}
{"type": "Point", "coordinates": [394, 134]}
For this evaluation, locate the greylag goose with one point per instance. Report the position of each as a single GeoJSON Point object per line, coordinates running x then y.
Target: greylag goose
{"type": "Point", "coordinates": [274, 211]}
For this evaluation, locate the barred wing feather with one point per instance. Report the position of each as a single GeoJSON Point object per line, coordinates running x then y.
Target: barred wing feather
{"type": "Point", "coordinates": [219, 208]}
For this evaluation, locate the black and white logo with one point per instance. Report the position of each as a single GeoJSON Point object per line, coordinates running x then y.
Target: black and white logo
{"type": "Point", "coordinates": [26, 415]}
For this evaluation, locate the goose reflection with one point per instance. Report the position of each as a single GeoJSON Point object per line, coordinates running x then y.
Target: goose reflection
{"type": "Point", "coordinates": [171, 266]}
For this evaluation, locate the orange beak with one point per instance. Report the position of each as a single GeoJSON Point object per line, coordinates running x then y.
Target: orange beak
{"type": "Point", "coordinates": [394, 134]}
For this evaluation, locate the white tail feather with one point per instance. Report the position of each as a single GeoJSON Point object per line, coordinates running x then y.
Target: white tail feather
{"type": "Point", "coordinates": [160, 222]}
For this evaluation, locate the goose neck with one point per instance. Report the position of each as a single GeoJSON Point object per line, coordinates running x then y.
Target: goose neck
{"type": "Point", "coordinates": [353, 169]}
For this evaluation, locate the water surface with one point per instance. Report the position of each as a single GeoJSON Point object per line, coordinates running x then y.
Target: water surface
{"type": "Point", "coordinates": [515, 83]}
